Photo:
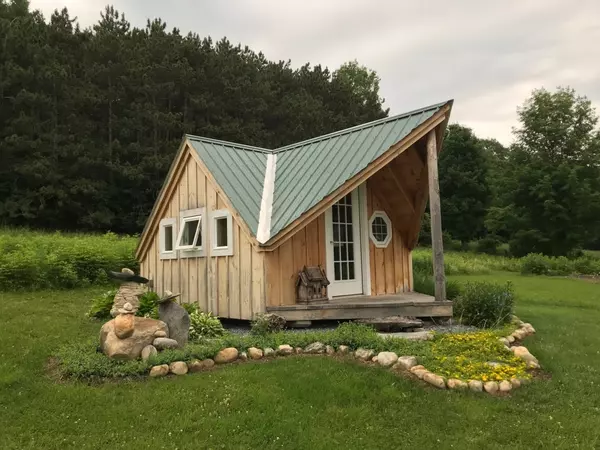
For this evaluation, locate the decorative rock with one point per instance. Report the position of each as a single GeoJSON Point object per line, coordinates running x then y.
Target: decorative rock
{"type": "Point", "coordinates": [124, 325]}
{"type": "Point", "coordinates": [269, 352]}
{"type": "Point", "coordinates": [529, 328]}
{"type": "Point", "coordinates": [491, 387]}
{"type": "Point", "coordinates": [393, 323]}
{"type": "Point", "coordinates": [453, 383]}
{"type": "Point", "coordinates": [161, 333]}
{"type": "Point", "coordinates": [475, 385]}
{"type": "Point", "coordinates": [285, 350]}
{"type": "Point", "coordinates": [132, 346]}
{"type": "Point", "coordinates": [523, 353]}
{"type": "Point", "coordinates": [315, 347]}
{"type": "Point", "coordinates": [434, 380]}
{"type": "Point", "coordinates": [415, 368]}
{"type": "Point", "coordinates": [178, 368]}
{"type": "Point", "coordinates": [329, 350]}
{"type": "Point", "coordinates": [516, 383]}
{"type": "Point", "coordinates": [407, 362]}
{"type": "Point", "coordinates": [208, 363]}
{"type": "Point", "coordinates": [298, 350]}
{"type": "Point", "coordinates": [519, 335]}
{"type": "Point", "coordinates": [420, 373]}
{"type": "Point", "coordinates": [510, 339]}
{"type": "Point", "coordinates": [244, 356]}
{"type": "Point", "coordinates": [255, 353]}
{"type": "Point", "coordinates": [198, 366]}
{"type": "Point", "coordinates": [177, 319]}
{"type": "Point", "coordinates": [159, 371]}
{"type": "Point", "coordinates": [532, 365]}
{"type": "Point", "coordinates": [374, 359]}
{"type": "Point", "coordinates": [387, 359]}
{"type": "Point", "coordinates": [505, 386]}
{"type": "Point", "coordinates": [364, 354]}
{"type": "Point", "coordinates": [343, 349]}
{"type": "Point", "coordinates": [226, 355]}
{"type": "Point", "coordinates": [148, 351]}
{"type": "Point", "coordinates": [165, 343]}
{"type": "Point", "coordinates": [505, 341]}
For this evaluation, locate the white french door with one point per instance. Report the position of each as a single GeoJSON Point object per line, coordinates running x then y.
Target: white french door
{"type": "Point", "coordinates": [342, 241]}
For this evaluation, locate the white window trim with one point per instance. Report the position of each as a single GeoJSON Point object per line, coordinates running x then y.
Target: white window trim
{"type": "Point", "coordinates": [164, 254]}
{"type": "Point", "coordinates": [191, 251]}
{"type": "Point", "coordinates": [388, 222]}
{"type": "Point", "coordinates": [221, 251]}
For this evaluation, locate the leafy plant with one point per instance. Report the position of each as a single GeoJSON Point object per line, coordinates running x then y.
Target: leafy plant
{"type": "Point", "coordinates": [487, 245]}
{"type": "Point", "coordinates": [148, 305]}
{"type": "Point", "coordinates": [484, 304]}
{"type": "Point", "coordinates": [424, 284]}
{"type": "Point", "coordinates": [536, 264]}
{"type": "Point", "coordinates": [102, 305]}
{"type": "Point", "coordinates": [204, 325]}
{"type": "Point", "coordinates": [267, 323]}
{"type": "Point", "coordinates": [190, 307]}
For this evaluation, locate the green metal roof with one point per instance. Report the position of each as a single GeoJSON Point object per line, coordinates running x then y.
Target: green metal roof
{"type": "Point", "coordinates": [306, 172]}
{"type": "Point", "coordinates": [240, 172]}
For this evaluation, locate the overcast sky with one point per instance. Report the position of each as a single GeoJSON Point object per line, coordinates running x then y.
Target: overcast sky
{"type": "Point", "coordinates": [486, 55]}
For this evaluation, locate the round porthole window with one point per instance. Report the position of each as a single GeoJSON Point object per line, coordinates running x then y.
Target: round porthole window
{"type": "Point", "coordinates": [380, 229]}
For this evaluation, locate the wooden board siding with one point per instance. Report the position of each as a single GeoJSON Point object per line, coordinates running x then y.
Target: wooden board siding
{"type": "Point", "coordinates": [306, 247]}
{"type": "Point", "coordinates": [390, 266]}
{"type": "Point", "coordinates": [228, 286]}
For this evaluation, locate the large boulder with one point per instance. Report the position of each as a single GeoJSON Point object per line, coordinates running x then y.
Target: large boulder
{"type": "Point", "coordinates": [177, 319]}
{"type": "Point", "coordinates": [132, 346]}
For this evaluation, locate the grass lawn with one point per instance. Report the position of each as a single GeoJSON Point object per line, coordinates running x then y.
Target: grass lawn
{"type": "Point", "coordinates": [312, 403]}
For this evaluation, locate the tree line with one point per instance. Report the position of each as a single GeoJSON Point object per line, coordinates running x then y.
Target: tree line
{"type": "Point", "coordinates": [90, 120]}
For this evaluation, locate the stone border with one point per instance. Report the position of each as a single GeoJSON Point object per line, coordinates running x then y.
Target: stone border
{"type": "Point", "coordinates": [384, 359]}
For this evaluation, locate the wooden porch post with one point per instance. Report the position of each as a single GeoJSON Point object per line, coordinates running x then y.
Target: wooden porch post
{"type": "Point", "coordinates": [437, 245]}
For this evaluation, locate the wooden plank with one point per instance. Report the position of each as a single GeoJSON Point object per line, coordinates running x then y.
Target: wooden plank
{"type": "Point", "coordinates": [223, 285]}
{"type": "Point", "coordinates": [312, 243]}
{"type": "Point", "coordinates": [183, 262]}
{"type": "Point", "coordinates": [273, 278]}
{"type": "Point", "coordinates": [258, 302]}
{"type": "Point", "coordinates": [245, 277]}
{"type": "Point", "coordinates": [436, 218]}
{"type": "Point", "coordinates": [193, 262]}
{"type": "Point", "coordinates": [235, 307]}
{"type": "Point", "coordinates": [411, 281]}
{"type": "Point", "coordinates": [390, 278]}
{"type": "Point", "coordinates": [321, 240]}
{"type": "Point", "coordinates": [287, 273]}
{"type": "Point", "coordinates": [370, 309]}
{"type": "Point", "coordinates": [213, 268]}
{"type": "Point", "coordinates": [405, 274]}
{"type": "Point", "coordinates": [372, 268]}
{"type": "Point", "coordinates": [399, 267]}
{"type": "Point", "coordinates": [420, 205]}
{"type": "Point", "coordinates": [359, 178]}
{"type": "Point", "coordinates": [400, 187]}
{"type": "Point", "coordinates": [300, 252]}
{"type": "Point", "coordinates": [202, 262]}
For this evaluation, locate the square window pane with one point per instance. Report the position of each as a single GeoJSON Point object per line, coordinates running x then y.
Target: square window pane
{"type": "Point", "coordinates": [168, 238]}
{"type": "Point", "coordinates": [336, 252]}
{"type": "Point", "coordinates": [344, 255]}
{"type": "Point", "coordinates": [336, 233]}
{"type": "Point", "coordinates": [189, 231]}
{"type": "Point", "coordinates": [221, 230]}
{"type": "Point", "coordinates": [351, 252]}
{"type": "Point", "coordinates": [344, 271]}
{"type": "Point", "coordinates": [349, 233]}
{"type": "Point", "coordinates": [334, 213]}
{"type": "Point", "coordinates": [337, 270]}
{"type": "Point", "coordinates": [351, 270]}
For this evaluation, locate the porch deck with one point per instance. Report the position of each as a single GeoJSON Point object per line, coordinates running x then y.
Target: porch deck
{"type": "Point", "coordinates": [366, 307]}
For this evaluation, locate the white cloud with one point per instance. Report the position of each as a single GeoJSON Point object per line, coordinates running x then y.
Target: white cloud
{"type": "Point", "coordinates": [488, 56]}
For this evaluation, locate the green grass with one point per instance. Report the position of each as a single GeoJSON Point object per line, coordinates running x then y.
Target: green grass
{"type": "Point", "coordinates": [312, 403]}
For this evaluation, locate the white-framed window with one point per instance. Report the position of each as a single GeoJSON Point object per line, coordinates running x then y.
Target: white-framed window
{"type": "Point", "coordinates": [221, 225]}
{"type": "Point", "coordinates": [380, 229]}
{"type": "Point", "coordinates": [192, 233]}
{"type": "Point", "coordinates": [166, 238]}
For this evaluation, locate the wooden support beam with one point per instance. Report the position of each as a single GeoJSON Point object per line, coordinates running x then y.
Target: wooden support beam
{"type": "Point", "coordinates": [437, 245]}
{"type": "Point", "coordinates": [401, 188]}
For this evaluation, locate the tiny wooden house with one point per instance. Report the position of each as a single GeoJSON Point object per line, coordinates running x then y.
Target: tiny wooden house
{"type": "Point", "coordinates": [234, 225]}
{"type": "Point", "coordinates": [311, 284]}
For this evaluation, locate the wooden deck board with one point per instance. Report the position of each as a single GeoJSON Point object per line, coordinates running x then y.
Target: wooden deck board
{"type": "Point", "coordinates": [366, 307]}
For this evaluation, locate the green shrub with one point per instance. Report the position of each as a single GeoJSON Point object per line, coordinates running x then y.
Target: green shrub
{"type": "Point", "coordinates": [36, 260]}
{"type": "Point", "coordinates": [102, 305]}
{"type": "Point", "coordinates": [148, 305]}
{"type": "Point", "coordinates": [204, 325]}
{"type": "Point", "coordinates": [267, 323]}
{"type": "Point", "coordinates": [536, 264]}
{"type": "Point", "coordinates": [425, 285]}
{"type": "Point", "coordinates": [190, 307]}
{"type": "Point", "coordinates": [484, 304]}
